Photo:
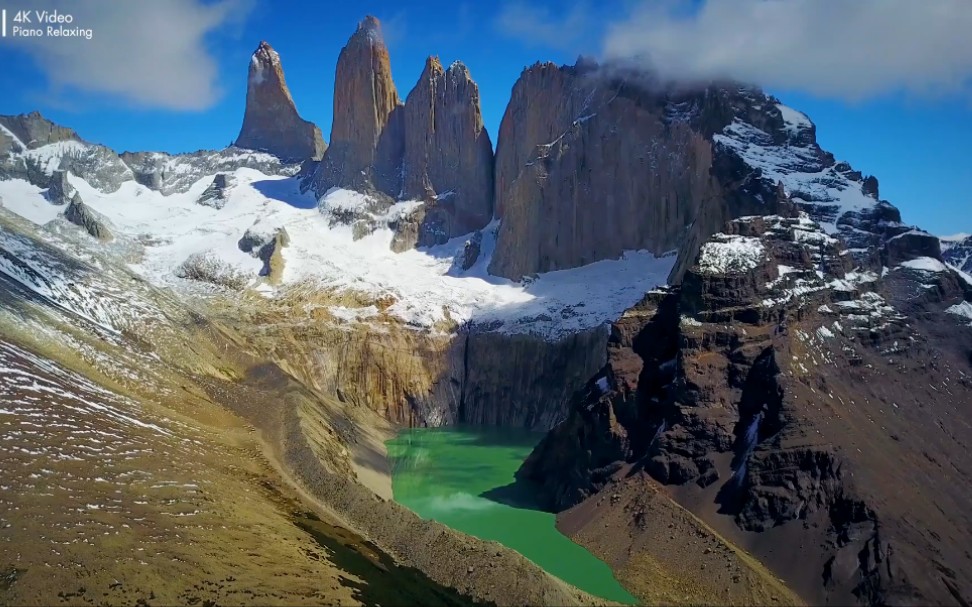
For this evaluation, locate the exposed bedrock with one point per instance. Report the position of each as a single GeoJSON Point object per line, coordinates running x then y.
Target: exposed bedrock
{"type": "Point", "coordinates": [367, 131]}
{"type": "Point", "coordinates": [448, 157]}
{"type": "Point", "coordinates": [271, 122]}
{"type": "Point", "coordinates": [776, 390]}
{"type": "Point", "coordinates": [591, 163]}
{"type": "Point", "coordinates": [419, 379]}
{"type": "Point", "coordinates": [90, 221]}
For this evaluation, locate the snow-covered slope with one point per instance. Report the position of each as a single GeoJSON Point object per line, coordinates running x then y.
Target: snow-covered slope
{"type": "Point", "coordinates": [831, 192]}
{"type": "Point", "coordinates": [425, 286]}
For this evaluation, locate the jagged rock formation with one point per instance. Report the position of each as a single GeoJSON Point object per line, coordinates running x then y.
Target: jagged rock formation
{"type": "Point", "coordinates": [469, 254]}
{"type": "Point", "coordinates": [60, 191]}
{"type": "Point", "coordinates": [80, 215]}
{"type": "Point", "coordinates": [217, 193]}
{"type": "Point", "coordinates": [367, 133]}
{"type": "Point", "coordinates": [271, 122]}
{"type": "Point", "coordinates": [432, 148]}
{"type": "Point", "coordinates": [176, 173]}
{"type": "Point", "coordinates": [448, 158]}
{"type": "Point", "coordinates": [776, 385]}
{"type": "Point", "coordinates": [958, 252]}
{"type": "Point", "coordinates": [53, 149]}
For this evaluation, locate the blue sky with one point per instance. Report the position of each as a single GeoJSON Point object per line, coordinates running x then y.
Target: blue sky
{"type": "Point", "coordinates": [171, 75]}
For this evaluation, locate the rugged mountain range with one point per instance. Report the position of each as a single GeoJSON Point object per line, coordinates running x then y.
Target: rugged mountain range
{"type": "Point", "coordinates": [736, 347]}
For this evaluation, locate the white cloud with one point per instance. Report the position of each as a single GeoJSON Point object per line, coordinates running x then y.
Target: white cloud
{"type": "Point", "coordinates": [539, 26]}
{"type": "Point", "coordinates": [849, 50]}
{"type": "Point", "coordinates": [146, 53]}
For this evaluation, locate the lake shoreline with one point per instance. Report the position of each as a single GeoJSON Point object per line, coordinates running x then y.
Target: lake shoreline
{"type": "Point", "coordinates": [464, 478]}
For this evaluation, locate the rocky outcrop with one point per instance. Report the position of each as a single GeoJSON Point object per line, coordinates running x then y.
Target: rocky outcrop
{"type": "Point", "coordinates": [59, 190]}
{"type": "Point", "coordinates": [268, 247]}
{"type": "Point", "coordinates": [217, 193]}
{"type": "Point", "coordinates": [469, 254]}
{"type": "Point", "coordinates": [448, 159]}
{"type": "Point", "coordinates": [271, 122]}
{"type": "Point", "coordinates": [775, 383]}
{"type": "Point", "coordinates": [367, 132]}
{"type": "Point", "coordinates": [909, 245]}
{"type": "Point", "coordinates": [31, 131]}
{"type": "Point", "coordinates": [80, 215]}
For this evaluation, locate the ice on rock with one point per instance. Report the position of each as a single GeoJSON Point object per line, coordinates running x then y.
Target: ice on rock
{"type": "Point", "coordinates": [730, 253]}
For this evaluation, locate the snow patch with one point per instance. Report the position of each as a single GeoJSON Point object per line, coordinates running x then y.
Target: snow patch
{"type": "Point", "coordinates": [726, 253]}
{"type": "Point", "coordinates": [27, 200]}
{"type": "Point", "coordinates": [925, 264]}
{"type": "Point", "coordinates": [963, 309]}
{"type": "Point", "coordinates": [795, 121]}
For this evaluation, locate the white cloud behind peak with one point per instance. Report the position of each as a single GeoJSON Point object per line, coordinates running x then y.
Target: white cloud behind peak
{"type": "Point", "coordinates": [147, 54]}
{"type": "Point", "coordinates": [848, 50]}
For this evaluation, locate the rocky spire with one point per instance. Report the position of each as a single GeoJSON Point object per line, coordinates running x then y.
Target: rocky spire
{"type": "Point", "coordinates": [271, 122]}
{"type": "Point", "coordinates": [448, 154]}
{"type": "Point", "coordinates": [367, 137]}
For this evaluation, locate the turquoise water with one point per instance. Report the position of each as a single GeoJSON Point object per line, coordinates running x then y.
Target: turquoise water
{"type": "Point", "coordinates": [463, 478]}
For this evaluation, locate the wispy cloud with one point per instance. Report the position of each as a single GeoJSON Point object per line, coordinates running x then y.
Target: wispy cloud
{"type": "Point", "coordinates": [846, 50]}
{"type": "Point", "coordinates": [536, 25]}
{"type": "Point", "coordinates": [147, 54]}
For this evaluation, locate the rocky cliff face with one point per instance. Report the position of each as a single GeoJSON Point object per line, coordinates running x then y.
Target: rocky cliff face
{"type": "Point", "coordinates": [30, 131]}
{"type": "Point", "coordinates": [367, 133]}
{"type": "Point", "coordinates": [591, 163]}
{"type": "Point", "coordinates": [427, 380]}
{"type": "Point", "coordinates": [80, 215]}
{"type": "Point", "coordinates": [448, 155]}
{"type": "Point", "coordinates": [271, 122]}
{"type": "Point", "coordinates": [774, 389]}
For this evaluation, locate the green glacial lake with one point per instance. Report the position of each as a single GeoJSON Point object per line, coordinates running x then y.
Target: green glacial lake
{"type": "Point", "coordinates": [463, 478]}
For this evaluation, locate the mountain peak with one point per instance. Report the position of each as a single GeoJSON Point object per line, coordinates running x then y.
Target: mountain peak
{"type": "Point", "coordinates": [265, 55]}
{"type": "Point", "coordinates": [271, 122]}
{"type": "Point", "coordinates": [433, 65]}
{"type": "Point", "coordinates": [366, 137]}
{"type": "Point", "coordinates": [370, 29]}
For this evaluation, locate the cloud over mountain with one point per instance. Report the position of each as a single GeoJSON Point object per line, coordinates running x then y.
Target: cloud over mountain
{"type": "Point", "coordinates": [846, 50]}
